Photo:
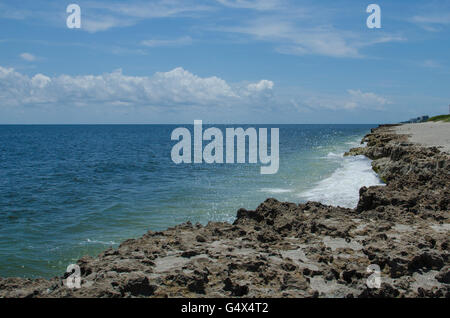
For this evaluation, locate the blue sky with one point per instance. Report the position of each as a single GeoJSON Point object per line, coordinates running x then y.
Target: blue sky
{"type": "Point", "coordinates": [223, 61]}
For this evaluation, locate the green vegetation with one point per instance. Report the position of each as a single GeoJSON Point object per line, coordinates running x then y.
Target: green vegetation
{"type": "Point", "coordinates": [445, 118]}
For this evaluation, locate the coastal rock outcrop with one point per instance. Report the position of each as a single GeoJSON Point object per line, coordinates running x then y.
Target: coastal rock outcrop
{"type": "Point", "coordinates": [293, 250]}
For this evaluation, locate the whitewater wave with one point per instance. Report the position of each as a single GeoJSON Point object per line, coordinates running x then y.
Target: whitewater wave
{"type": "Point", "coordinates": [354, 144]}
{"type": "Point", "coordinates": [89, 241]}
{"type": "Point", "coordinates": [333, 155]}
{"type": "Point", "coordinates": [342, 187]}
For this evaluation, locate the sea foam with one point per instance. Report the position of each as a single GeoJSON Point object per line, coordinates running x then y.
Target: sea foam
{"type": "Point", "coordinates": [342, 187]}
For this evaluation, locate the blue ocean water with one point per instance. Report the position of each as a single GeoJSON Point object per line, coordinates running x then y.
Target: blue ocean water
{"type": "Point", "coordinates": [68, 191]}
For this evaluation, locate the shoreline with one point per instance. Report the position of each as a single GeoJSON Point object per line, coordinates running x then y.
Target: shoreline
{"type": "Point", "coordinates": [428, 134]}
{"type": "Point", "coordinates": [292, 250]}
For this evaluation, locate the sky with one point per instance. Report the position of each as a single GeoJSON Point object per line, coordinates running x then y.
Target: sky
{"type": "Point", "coordinates": [223, 61]}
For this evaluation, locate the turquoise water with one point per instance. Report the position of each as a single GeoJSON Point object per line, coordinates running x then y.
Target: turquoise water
{"type": "Point", "coordinates": [68, 191]}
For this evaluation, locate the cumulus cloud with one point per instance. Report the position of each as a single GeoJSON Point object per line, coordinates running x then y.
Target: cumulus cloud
{"type": "Point", "coordinates": [175, 88]}
{"type": "Point", "coordinates": [260, 86]}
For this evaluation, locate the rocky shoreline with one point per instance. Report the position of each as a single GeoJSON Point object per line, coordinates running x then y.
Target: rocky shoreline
{"type": "Point", "coordinates": [293, 250]}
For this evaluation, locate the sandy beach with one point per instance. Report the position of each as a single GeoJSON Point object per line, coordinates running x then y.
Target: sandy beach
{"type": "Point", "coordinates": [428, 134]}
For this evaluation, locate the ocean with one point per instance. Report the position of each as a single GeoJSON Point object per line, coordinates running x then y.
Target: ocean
{"type": "Point", "coordinates": [73, 190]}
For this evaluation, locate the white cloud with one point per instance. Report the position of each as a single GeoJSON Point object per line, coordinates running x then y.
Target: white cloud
{"type": "Point", "coordinates": [98, 23]}
{"type": "Point", "coordinates": [100, 16]}
{"type": "Point", "coordinates": [433, 16]}
{"type": "Point", "coordinates": [293, 39]}
{"type": "Point", "coordinates": [297, 41]}
{"type": "Point", "coordinates": [40, 81]}
{"type": "Point", "coordinates": [186, 40]}
{"type": "Point", "coordinates": [152, 9]}
{"type": "Point", "coordinates": [352, 100]}
{"type": "Point", "coordinates": [260, 86]}
{"type": "Point", "coordinates": [293, 28]}
{"type": "Point", "coordinates": [383, 39]}
{"type": "Point", "coordinates": [253, 4]}
{"type": "Point", "coordinates": [365, 100]}
{"type": "Point", "coordinates": [104, 16]}
{"type": "Point", "coordinates": [175, 88]}
{"type": "Point", "coordinates": [28, 57]}
{"type": "Point", "coordinates": [439, 18]}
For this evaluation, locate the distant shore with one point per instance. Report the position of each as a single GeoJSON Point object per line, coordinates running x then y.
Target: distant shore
{"type": "Point", "coordinates": [297, 250]}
